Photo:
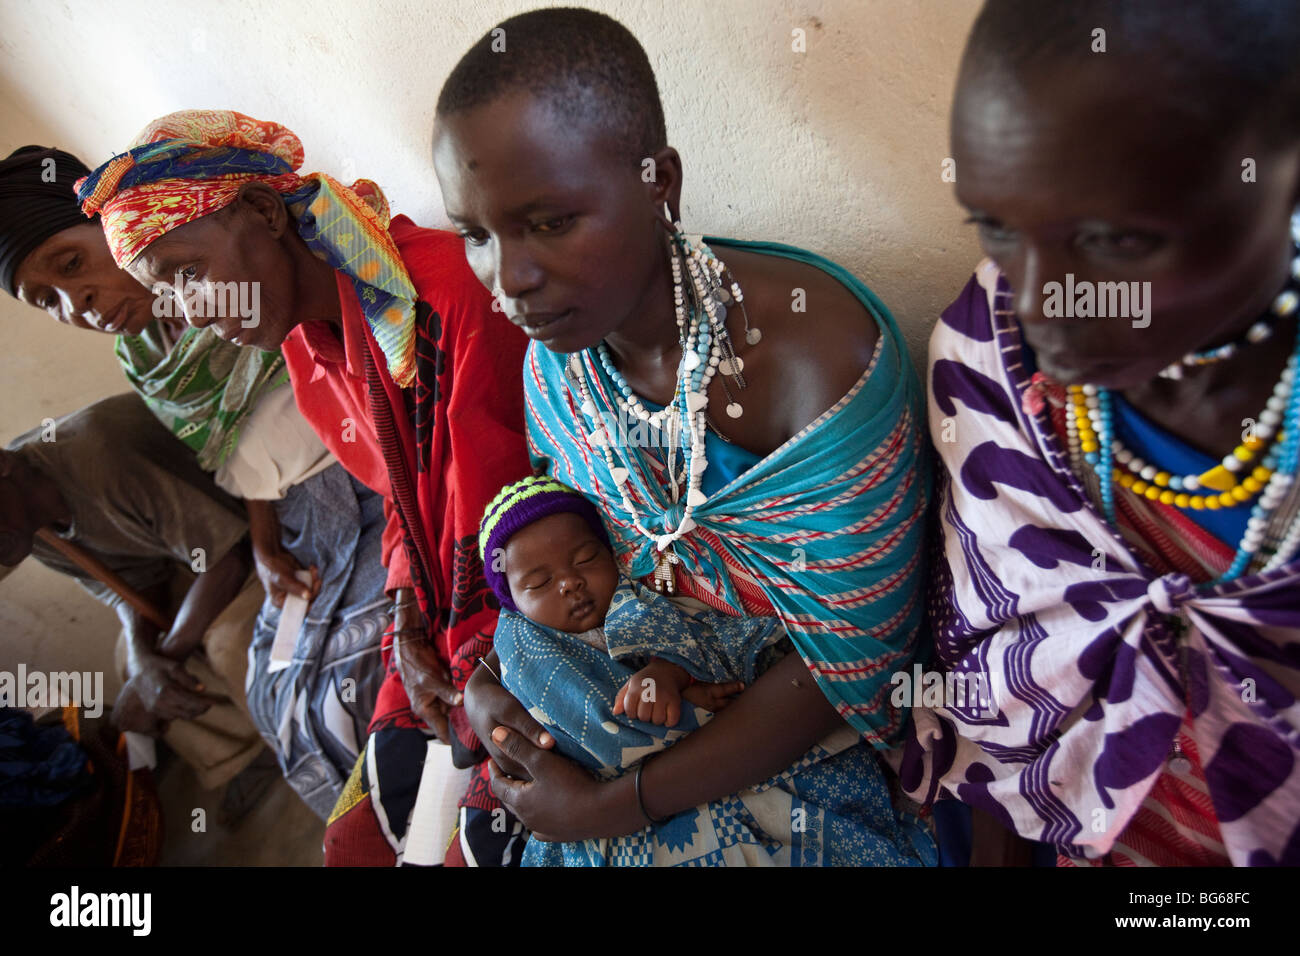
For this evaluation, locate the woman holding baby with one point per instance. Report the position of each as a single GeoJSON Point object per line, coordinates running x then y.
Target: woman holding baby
{"type": "Point", "coordinates": [781, 475]}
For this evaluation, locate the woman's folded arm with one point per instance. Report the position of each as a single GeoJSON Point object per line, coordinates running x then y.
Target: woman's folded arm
{"type": "Point", "coordinates": [766, 729]}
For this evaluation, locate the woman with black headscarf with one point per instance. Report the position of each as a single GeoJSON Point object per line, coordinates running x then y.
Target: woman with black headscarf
{"type": "Point", "coordinates": [54, 258]}
{"type": "Point", "coordinates": [233, 407]}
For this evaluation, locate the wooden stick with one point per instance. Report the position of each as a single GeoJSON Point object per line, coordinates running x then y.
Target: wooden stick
{"type": "Point", "coordinates": [104, 575]}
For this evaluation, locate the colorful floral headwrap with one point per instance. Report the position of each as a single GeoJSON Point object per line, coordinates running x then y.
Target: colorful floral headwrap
{"type": "Point", "coordinates": [190, 164]}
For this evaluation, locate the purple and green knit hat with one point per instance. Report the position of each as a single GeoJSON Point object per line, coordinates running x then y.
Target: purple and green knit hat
{"type": "Point", "coordinates": [518, 505]}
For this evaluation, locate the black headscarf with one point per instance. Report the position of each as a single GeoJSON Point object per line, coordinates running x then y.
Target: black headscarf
{"type": "Point", "coordinates": [36, 201]}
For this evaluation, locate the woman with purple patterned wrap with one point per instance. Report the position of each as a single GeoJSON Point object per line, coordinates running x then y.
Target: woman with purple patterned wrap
{"type": "Point", "coordinates": [1130, 594]}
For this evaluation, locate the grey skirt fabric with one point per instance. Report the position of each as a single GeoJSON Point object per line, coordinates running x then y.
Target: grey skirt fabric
{"type": "Point", "coordinates": [315, 713]}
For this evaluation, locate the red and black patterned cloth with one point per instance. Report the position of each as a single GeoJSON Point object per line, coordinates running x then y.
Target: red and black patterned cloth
{"type": "Point", "coordinates": [450, 443]}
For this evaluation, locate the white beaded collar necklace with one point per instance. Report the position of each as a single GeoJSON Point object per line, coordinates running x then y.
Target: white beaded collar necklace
{"type": "Point", "coordinates": [701, 309]}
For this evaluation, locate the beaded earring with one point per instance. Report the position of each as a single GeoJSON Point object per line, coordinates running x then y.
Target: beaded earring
{"type": "Point", "coordinates": [709, 292]}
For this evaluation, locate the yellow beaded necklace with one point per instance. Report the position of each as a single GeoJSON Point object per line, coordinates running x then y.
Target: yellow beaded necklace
{"type": "Point", "coordinates": [1229, 485]}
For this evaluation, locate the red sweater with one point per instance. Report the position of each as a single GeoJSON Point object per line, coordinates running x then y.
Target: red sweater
{"type": "Point", "coordinates": [329, 383]}
{"type": "Point", "coordinates": [455, 438]}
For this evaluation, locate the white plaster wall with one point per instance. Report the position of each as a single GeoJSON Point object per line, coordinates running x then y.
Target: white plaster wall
{"type": "Point", "coordinates": [837, 149]}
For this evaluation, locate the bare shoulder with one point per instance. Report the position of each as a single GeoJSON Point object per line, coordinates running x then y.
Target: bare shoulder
{"type": "Point", "coordinates": [817, 337]}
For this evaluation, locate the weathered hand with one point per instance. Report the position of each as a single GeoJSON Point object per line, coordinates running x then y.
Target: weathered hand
{"type": "Point", "coordinates": [424, 675]}
{"type": "Point", "coordinates": [166, 689]}
{"type": "Point", "coordinates": [277, 569]}
{"type": "Point", "coordinates": [129, 713]}
{"type": "Point", "coordinates": [488, 706]}
{"type": "Point", "coordinates": [557, 800]}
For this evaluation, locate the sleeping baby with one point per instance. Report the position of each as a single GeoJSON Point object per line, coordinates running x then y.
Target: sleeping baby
{"type": "Point", "coordinates": [547, 557]}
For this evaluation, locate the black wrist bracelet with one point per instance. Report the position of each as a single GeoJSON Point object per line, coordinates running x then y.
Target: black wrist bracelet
{"type": "Point", "coordinates": [640, 801]}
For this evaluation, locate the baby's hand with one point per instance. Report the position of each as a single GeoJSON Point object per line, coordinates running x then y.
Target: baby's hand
{"type": "Point", "coordinates": [712, 697]}
{"type": "Point", "coordinates": [654, 693]}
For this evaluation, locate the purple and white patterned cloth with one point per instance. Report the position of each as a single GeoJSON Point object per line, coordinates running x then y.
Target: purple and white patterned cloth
{"type": "Point", "coordinates": [1079, 642]}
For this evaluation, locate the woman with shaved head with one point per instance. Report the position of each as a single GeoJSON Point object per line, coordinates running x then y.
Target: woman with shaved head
{"type": "Point", "coordinates": [1113, 398]}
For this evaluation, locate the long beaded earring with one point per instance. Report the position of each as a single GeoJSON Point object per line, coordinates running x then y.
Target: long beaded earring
{"type": "Point", "coordinates": [669, 223]}
{"type": "Point", "coordinates": [753, 335]}
{"type": "Point", "coordinates": [709, 293]}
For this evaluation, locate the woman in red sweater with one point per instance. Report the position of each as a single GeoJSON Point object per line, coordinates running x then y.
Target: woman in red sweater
{"type": "Point", "coordinates": [383, 328]}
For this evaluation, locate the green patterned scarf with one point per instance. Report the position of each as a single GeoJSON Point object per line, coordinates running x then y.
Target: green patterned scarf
{"type": "Point", "coordinates": [202, 388]}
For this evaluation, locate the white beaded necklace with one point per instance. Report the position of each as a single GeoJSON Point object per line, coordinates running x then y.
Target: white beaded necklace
{"type": "Point", "coordinates": [706, 349]}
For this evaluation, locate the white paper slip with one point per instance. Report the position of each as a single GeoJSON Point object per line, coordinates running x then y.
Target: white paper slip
{"type": "Point", "coordinates": [292, 615]}
{"type": "Point", "coordinates": [141, 751]}
{"type": "Point", "coordinates": [434, 815]}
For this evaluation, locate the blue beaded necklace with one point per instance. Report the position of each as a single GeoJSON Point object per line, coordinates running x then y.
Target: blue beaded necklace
{"type": "Point", "coordinates": [688, 382]}
{"type": "Point", "coordinates": [1287, 460]}
{"type": "Point", "coordinates": [706, 350]}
